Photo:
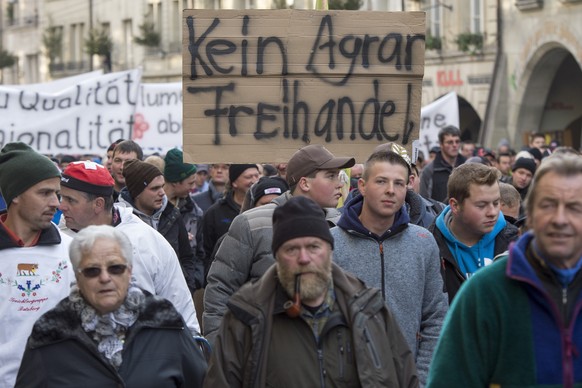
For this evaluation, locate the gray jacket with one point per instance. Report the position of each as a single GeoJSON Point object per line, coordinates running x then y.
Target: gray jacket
{"type": "Point", "coordinates": [408, 258]}
{"type": "Point", "coordinates": [244, 254]}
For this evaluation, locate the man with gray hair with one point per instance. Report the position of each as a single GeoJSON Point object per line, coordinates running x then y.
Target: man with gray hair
{"type": "Point", "coordinates": [520, 319]}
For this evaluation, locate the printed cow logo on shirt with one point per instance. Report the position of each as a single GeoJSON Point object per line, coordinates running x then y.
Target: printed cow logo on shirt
{"type": "Point", "coordinates": [27, 279]}
{"type": "Point", "coordinates": [26, 269]}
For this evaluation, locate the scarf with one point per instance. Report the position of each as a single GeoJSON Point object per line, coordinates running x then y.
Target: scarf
{"type": "Point", "coordinates": [108, 330]}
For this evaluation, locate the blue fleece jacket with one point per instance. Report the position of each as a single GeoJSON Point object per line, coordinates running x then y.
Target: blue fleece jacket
{"type": "Point", "coordinates": [470, 259]}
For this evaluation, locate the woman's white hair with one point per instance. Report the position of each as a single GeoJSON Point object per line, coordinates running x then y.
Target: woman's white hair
{"type": "Point", "coordinates": [85, 239]}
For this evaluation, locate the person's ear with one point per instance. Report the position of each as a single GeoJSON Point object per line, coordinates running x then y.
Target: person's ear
{"type": "Point", "coordinates": [99, 205]}
{"type": "Point", "coordinates": [362, 186]}
{"type": "Point", "coordinates": [454, 205]}
{"type": "Point", "coordinates": [411, 180]}
{"type": "Point", "coordinates": [304, 184]}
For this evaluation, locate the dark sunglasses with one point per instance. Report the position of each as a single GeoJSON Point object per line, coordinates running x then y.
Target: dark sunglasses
{"type": "Point", "coordinates": [93, 272]}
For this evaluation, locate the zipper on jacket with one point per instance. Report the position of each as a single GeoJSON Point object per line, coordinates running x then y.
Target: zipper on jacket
{"type": "Point", "coordinates": [372, 349]}
{"type": "Point", "coordinates": [383, 269]}
{"type": "Point", "coordinates": [341, 353]}
{"type": "Point", "coordinates": [321, 366]}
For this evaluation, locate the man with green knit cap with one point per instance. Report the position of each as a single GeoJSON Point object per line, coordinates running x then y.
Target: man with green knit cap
{"type": "Point", "coordinates": [35, 272]}
{"type": "Point", "coordinates": [180, 178]}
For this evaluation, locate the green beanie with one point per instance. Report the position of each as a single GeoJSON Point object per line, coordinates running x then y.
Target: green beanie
{"type": "Point", "coordinates": [21, 167]}
{"type": "Point", "coordinates": [175, 169]}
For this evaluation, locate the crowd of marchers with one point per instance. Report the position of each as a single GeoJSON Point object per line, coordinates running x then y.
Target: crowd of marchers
{"type": "Point", "coordinates": [461, 269]}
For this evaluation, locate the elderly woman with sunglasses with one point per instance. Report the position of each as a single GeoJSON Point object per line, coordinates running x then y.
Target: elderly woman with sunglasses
{"type": "Point", "coordinates": [108, 332]}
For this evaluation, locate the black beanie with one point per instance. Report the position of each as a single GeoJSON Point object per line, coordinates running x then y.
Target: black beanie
{"type": "Point", "coordinates": [235, 170]}
{"type": "Point", "coordinates": [299, 217]}
{"type": "Point", "coordinates": [536, 153]}
{"type": "Point", "coordinates": [175, 170]}
{"type": "Point", "coordinates": [21, 167]}
{"type": "Point", "coordinates": [268, 185]}
{"type": "Point", "coordinates": [527, 163]}
{"type": "Point", "coordinates": [138, 175]}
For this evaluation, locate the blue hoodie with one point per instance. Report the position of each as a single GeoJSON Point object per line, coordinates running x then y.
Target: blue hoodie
{"type": "Point", "coordinates": [470, 259]}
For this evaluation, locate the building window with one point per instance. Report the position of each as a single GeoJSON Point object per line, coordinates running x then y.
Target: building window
{"type": "Point", "coordinates": [435, 18]}
{"type": "Point", "coordinates": [127, 43]}
{"type": "Point", "coordinates": [476, 17]}
{"type": "Point", "coordinates": [527, 5]}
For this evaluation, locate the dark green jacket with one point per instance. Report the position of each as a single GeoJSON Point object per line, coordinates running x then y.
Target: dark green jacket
{"type": "Point", "coordinates": [368, 330]}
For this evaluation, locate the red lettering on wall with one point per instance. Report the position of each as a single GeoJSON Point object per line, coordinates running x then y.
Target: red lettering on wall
{"type": "Point", "coordinates": [449, 78]}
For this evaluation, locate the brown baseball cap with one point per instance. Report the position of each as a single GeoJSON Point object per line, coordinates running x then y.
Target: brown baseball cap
{"type": "Point", "coordinates": [311, 158]}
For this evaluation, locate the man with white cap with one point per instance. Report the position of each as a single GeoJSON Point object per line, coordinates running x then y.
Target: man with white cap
{"type": "Point", "coordinates": [35, 271]}
{"type": "Point", "coordinates": [87, 192]}
{"type": "Point", "coordinates": [245, 252]}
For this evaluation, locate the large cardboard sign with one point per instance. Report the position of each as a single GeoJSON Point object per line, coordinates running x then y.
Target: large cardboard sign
{"type": "Point", "coordinates": [260, 84]}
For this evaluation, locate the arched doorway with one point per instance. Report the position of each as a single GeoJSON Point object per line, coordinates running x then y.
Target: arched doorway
{"type": "Point", "coordinates": [469, 121]}
{"type": "Point", "coordinates": [552, 102]}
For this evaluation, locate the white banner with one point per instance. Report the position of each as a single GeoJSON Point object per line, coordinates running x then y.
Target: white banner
{"type": "Point", "coordinates": [434, 117]}
{"type": "Point", "coordinates": [84, 114]}
{"type": "Point", "coordinates": [158, 117]}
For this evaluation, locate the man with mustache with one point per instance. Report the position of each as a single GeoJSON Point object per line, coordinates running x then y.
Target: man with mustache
{"type": "Point", "coordinates": [470, 231]}
{"type": "Point", "coordinates": [307, 323]}
{"type": "Point", "coordinates": [35, 271]}
{"type": "Point", "coordinates": [245, 252]}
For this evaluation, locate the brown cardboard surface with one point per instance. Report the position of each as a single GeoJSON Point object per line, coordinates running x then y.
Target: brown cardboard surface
{"type": "Point", "coordinates": [260, 84]}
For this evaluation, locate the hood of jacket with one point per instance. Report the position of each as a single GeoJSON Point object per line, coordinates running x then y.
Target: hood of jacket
{"type": "Point", "coordinates": [350, 220]}
{"type": "Point", "coordinates": [482, 250]}
{"type": "Point", "coordinates": [152, 220]}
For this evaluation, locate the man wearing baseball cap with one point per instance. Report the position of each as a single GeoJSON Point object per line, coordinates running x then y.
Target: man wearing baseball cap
{"type": "Point", "coordinates": [87, 199]}
{"type": "Point", "coordinates": [245, 254]}
{"type": "Point", "coordinates": [305, 321]}
{"type": "Point", "coordinates": [35, 272]}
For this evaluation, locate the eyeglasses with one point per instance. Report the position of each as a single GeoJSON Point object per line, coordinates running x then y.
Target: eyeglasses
{"type": "Point", "coordinates": [93, 272]}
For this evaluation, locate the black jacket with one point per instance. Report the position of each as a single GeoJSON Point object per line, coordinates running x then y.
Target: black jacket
{"type": "Point", "coordinates": [435, 176]}
{"type": "Point", "coordinates": [450, 269]}
{"type": "Point", "coordinates": [207, 198]}
{"type": "Point", "coordinates": [158, 352]}
{"type": "Point", "coordinates": [216, 221]}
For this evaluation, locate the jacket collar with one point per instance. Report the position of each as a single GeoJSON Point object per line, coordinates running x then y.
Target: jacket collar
{"type": "Point", "coordinates": [62, 322]}
{"type": "Point", "coordinates": [350, 220]}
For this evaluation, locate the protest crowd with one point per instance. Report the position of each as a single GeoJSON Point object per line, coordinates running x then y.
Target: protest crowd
{"type": "Point", "coordinates": [461, 268]}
